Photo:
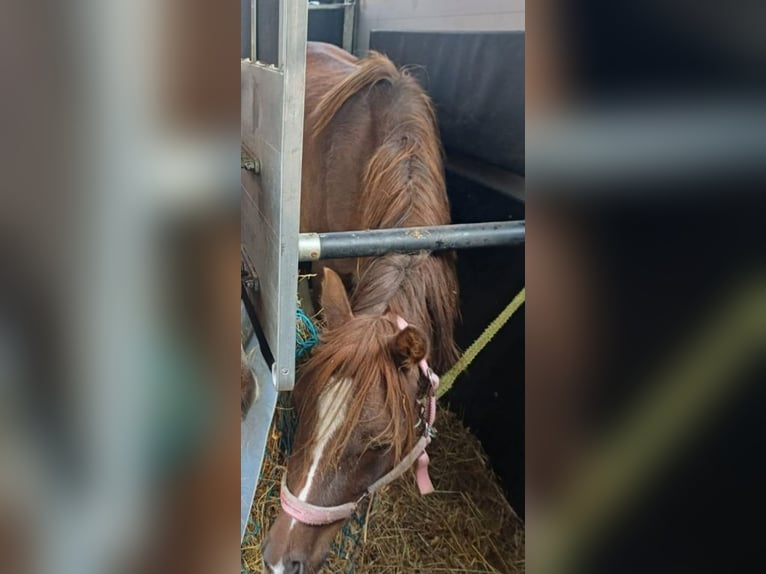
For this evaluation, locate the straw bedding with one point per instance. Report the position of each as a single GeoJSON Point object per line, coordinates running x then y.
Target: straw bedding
{"type": "Point", "coordinates": [465, 526]}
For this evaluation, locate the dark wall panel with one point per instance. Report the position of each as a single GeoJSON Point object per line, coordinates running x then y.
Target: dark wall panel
{"type": "Point", "coordinates": [267, 22]}
{"type": "Point", "coordinates": [489, 396]}
{"type": "Point", "coordinates": [476, 80]}
{"type": "Point", "coordinates": [244, 28]}
{"type": "Point", "coordinates": [326, 26]}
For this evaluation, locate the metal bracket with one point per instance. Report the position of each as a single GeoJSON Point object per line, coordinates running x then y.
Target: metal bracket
{"type": "Point", "coordinates": [250, 164]}
{"type": "Point", "coordinates": [248, 276]}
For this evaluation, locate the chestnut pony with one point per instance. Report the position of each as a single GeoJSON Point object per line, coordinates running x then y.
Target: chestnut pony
{"type": "Point", "coordinates": [371, 159]}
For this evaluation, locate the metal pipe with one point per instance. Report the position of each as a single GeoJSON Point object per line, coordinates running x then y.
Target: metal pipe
{"type": "Point", "coordinates": [348, 27]}
{"type": "Point", "coordinates": [336, 245]}
{"type": "Point", "coordinates": [254, 30]}
{"type": "Point", "coordinates": [335, 6]}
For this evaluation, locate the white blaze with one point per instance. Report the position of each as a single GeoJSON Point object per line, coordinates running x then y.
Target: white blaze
{"type": "Point", "coordinates": [332, 411]}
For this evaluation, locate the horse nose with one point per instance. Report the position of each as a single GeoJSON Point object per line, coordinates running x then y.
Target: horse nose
{"type": "Point", "coordinates": [288, 567]}
{"type": "Point", "coordinates": [281, 556]}
{"type": "Point", "coordinates": [290, 564]}
{"type": "Point", "coordinates": [295, 567]}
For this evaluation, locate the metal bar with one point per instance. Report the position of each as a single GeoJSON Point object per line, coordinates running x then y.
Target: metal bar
{"type": "Point", "coordinates": [336, 245]}
{"type": "Point", "coordinates": [284, 25]}
{"type": "Point", "coordinates": [253, 30]}
{"type": "Point", "coordinates": [348, 26]}
{"type": "Point", "coordinates": [245, 31]}
{"type": "Point", "coordinates": [329, 6]}
{"type": "Point", "coordinates": [255, 427]}
{"type": "Point", "coordinates": [294, 25]}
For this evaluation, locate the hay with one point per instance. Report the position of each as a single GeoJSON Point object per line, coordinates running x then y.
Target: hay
{"type": "Point", "coordinates": [465, 526]}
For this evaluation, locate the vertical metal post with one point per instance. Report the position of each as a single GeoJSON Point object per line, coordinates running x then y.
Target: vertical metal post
{"type": "Point", "coordinates": [253, 30]}
{"type": "Point", "coordinates": [348, 25]}
{"type": "Point", "coordinates": [292, 57]}
{"type": "Point", "coordinates": [272, 131]}
{"type": "Point", "coordinates": [255, 427]}
{"type": "Point", "coordinates": [281, 48]}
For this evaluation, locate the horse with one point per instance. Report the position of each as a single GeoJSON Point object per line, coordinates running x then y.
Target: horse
{"type": "Point", "coordinates": [372, 159]}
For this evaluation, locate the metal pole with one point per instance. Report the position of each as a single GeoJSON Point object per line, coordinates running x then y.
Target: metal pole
{"type": "Point", "coordinates": [336, 245]}
{"type": "Point", "coordinates": [253, 30]}
{"type": "Point", "coordinates": [348, 26]}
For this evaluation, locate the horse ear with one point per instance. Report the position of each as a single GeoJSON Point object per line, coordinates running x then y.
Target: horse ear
{"type": "Point", "coordinates": [410, 346]}
{"type": "Point", "coordinates": [335, 305]}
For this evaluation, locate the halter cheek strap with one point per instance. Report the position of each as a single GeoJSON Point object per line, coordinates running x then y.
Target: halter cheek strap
{"type": "Point", "coordinates": [320, 515]}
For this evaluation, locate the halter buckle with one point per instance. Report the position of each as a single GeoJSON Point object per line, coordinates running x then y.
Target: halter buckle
{"type": "Point", "coordinates": [429, 430]}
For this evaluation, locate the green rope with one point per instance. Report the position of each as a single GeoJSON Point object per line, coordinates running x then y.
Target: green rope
{"type": "Point", "coordinates": [476, 347]}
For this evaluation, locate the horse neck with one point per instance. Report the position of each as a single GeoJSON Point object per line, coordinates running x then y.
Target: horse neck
{"type": "Point", "coordinates": [403, 186]}
{"type": "Point", "coordinates": [398, 284]}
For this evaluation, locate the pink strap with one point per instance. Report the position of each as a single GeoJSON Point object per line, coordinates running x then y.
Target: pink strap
{"type": "Point", "coordinates": [319, 515]}
{"type": "Point", "coordinates": [425, 486]}
{"type": "Point", "coordinates": [310, 514]}
{"type": "Point", "coordinates": [400, 468]}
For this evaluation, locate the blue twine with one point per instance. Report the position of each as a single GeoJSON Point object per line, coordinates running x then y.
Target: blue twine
{"type": "Point", "coordinates": [304, 345]}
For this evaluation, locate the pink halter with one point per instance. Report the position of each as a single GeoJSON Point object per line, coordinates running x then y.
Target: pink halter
{"type": "Point", "coordinates": [320, 515]}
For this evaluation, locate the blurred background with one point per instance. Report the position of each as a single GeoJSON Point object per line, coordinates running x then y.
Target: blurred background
{"type": "Point", "coordinates": [119, 297]}
{"type": "Point", "coordinates": [646, 315]}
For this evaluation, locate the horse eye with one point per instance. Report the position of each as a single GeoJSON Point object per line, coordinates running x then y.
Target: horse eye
{"type": "Point", "coordinates": [379, 446]}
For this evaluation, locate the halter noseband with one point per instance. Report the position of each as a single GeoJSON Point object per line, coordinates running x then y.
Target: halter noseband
{"type": "Point", "coordinates": [320, 515]}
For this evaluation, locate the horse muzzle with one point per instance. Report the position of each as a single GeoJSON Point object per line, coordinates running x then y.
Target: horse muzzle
{"type": "Point", "coordinates": [295, 548]}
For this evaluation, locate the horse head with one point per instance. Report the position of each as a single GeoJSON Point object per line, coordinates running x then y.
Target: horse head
{"type": "Point", "coordinates": [357, 406]}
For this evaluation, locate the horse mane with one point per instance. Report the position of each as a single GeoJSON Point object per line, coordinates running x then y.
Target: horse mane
{"type": "Point", "coordinates": [403, 186]}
